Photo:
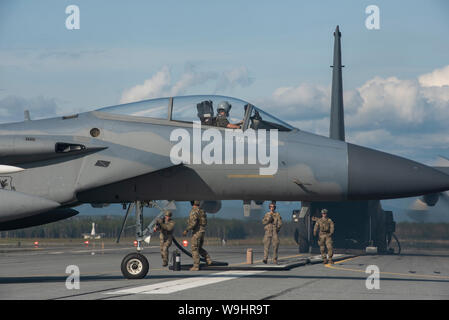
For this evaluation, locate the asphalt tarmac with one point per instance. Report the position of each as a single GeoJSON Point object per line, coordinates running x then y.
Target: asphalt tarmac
{"type": "Point", "coordinates": [40, 274]}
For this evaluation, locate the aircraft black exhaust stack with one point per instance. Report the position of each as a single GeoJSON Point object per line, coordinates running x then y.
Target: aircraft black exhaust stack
{"type": "Point", "coordinates": [337, 123]}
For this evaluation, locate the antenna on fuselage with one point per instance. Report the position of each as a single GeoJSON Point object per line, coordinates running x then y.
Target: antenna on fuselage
{"type": "Point", "coordinates": [26, 115]}
{"type": "Point", "coordinates": [337, 121]}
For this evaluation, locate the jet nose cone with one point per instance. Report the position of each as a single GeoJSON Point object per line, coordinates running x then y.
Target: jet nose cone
{"type": "Point", "coordinates": [379, 175]}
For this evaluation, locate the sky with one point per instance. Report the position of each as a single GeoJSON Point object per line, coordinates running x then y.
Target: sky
{"type": "Point", "coordinates": [274, 54]}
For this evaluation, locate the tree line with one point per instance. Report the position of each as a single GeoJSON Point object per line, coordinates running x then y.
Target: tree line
{"type": "Point", "coordinates": [110, 225]}
{"type": "Point", "coordinates": [217, 227]}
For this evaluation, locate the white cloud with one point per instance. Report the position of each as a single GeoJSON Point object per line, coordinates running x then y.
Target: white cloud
{"type": "Point", "coordinates": [303, 102]}
{"type": "Point", "coordinates": [191, 78]}
{"type": "Point", "coordinates": [154, 87]}
{"type": "Point", "coordinates": [436, 78]}
{"type": "Point", "coordinates": [160, 84]}
{"type": "Point", "coordinates": [389, 102]}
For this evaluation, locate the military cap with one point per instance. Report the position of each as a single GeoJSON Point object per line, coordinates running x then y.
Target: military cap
{"type": "Point", "coordinates": [196, 203]}
{"type": "Point", "coordinates": [167, 213]}
{"type": "Point", "coordinates": [324, 211]}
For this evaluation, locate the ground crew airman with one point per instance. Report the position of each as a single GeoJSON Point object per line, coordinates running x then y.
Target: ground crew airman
{"type": "Point", "coordinates": [273, 222]}
{"type": "Point", "coordinates": [326, 230]}
{"type": "Point", "coordinates": [197, 223]}
{"type": "Point", "coordinates": [166, 227]}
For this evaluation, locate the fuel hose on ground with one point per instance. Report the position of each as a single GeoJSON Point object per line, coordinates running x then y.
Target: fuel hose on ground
{"type": "Point", "coordinates": [185, 251]}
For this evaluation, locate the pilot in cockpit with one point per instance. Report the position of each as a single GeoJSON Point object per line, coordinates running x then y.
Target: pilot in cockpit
{"type": "Point", "coordinates": [222, 116]}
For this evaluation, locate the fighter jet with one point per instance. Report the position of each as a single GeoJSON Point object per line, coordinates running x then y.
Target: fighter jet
{"type": "Point", "coordinates": [176, 148]}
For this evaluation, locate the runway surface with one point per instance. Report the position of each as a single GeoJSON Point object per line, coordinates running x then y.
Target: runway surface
{"type": "Point", "coordinates": [41, 274]}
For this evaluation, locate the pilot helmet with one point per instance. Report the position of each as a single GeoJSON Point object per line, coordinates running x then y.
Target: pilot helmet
{"type": "Point", "coordinates": [224, 105]}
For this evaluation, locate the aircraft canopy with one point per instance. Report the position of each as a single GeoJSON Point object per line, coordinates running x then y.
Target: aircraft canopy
{"type": "Point", "coordinates": [200, 108]}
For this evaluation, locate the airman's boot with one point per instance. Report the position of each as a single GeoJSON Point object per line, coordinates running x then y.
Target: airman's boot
{"type": "Point", "coordinates": [265, 260]}
{"type": "Point", "coordinates": [208, 260]}
{"type": "Point", "coordinates": [330, 261]}
{"type": "Point", "coordinates": [165, 263]}
{"type": "Point", "coordinates": [275, 261]}
{"type": "Point", "coordinates": [325, 261]}
{"type": "Point", "coordinates": [195, 268]}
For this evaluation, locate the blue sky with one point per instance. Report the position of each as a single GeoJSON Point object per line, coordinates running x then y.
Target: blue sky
{"type": "Point", "coordinates": [275, 54]}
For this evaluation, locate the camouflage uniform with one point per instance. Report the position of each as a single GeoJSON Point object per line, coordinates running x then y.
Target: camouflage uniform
{"type": "Point", "coordinates": [326, 227]}
{"type": "Point", "coordinates": [273, 223]}
{"type": "Point", "coordinates": [197, 223]}
{"type": "Point", "coordinates": [222, 121]}
{"type": "Point", "coordinates": [166, 238]}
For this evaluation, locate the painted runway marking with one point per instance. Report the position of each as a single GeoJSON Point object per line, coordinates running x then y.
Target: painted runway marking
{"type": "Point", "coordinates": [168, 287]}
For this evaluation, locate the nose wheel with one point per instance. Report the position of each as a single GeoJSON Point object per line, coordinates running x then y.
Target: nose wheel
{"type": "Point", "coordinates": [135, 266]}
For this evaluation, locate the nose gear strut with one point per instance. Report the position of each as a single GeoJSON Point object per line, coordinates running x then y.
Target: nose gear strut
{"type": "Point", "coordinates": [135, 265]}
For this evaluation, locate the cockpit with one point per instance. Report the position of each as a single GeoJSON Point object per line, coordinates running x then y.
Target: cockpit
{"type": "Point", "coordinates": [208, 109]}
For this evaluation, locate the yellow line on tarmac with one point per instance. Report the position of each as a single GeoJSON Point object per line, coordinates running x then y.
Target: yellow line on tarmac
{"type": "Point", "coordinates": [382, 272]}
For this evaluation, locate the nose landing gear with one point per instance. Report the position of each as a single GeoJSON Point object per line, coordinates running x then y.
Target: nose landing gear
{"type": "Point", "coordinates": [135, 265]}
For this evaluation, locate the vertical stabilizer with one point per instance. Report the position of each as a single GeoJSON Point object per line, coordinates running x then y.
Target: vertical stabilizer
{"type": "Point", "coordinates": [337, 123]}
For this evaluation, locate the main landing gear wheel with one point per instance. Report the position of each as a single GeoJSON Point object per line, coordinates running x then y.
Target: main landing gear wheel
{"type": "Point", "coordinates": [135, 266]}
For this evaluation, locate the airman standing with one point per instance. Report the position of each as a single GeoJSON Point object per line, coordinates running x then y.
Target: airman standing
{"type": "Point", "coordinates": [273, 222]}
{"type": "Point", "coordinates": [197, 223]}
{"type": "Point", "coordinates": [326, 230]}
{"type": "Point", "coordinates": [166, 228]}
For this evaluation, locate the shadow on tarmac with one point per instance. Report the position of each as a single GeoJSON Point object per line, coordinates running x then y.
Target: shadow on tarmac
{"type": "Point", "coordinates": [49, 279]}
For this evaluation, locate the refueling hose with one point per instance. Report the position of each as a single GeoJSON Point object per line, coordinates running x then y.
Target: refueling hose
{"type": "Point", "coordinates": [184, 250]}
